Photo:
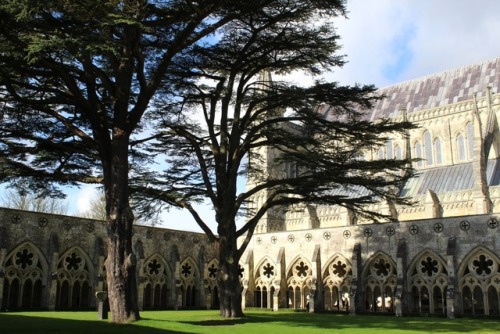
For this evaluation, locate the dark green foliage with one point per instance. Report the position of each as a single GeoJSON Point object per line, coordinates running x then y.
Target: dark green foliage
{"type": "Point", "coordinates": [96, 91]}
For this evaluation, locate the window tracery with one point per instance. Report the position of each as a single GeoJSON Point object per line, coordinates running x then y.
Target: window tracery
{"type": "Point", "coordinates": [428, 281]}
{"type": "Point", "coordinates": [156, 278]}
{"type": "Point", "coordinates": [299, 282]}
{"type": "Point", "coordinates": [25, 274]}
{"type": "Point", "coordinates": [337, 284]}
{"type": "Point", "coordinates": [480, 283]}
{"type": "Point", "coordinates": [264, 282]}
{"type": "Point", "coordinates": [211, 271]}
{"type": "Point", "coordinates": [189, 279]}
{"type": "Point", "coordinates": [74, 280]}
{"type": "Point", "coordinates": [380, 286]}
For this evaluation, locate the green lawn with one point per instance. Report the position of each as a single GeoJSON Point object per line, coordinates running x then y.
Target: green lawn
{"type": "Point", "coordinates": [283, 322]}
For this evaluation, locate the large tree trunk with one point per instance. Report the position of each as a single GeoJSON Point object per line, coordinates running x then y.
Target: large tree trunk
{"type": "Point", "coordinates": [121, 261]}
{"type": "Point", "coordinates": [228, 279]}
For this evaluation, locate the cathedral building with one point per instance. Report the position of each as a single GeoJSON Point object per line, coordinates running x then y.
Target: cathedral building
{"type": "Point", "coordinates": [439, 256]}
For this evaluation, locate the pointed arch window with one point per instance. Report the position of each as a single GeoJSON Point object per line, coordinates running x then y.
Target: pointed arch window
{"type": "Point", "coordinates": [438, 151]}
{"type": "Point", "coordinates": [25, 271]}
{"type": "Point", "coordinates": [469, 128]}
{"type": "Point", "coordinates": [429, 160]}
{"type": "Point", "coordinates": [398, 153]}
{"type": "Point", "coordinates": [390, 152]}
{"type": "Point", "coordinates": [479, 281]}
{"type": "Point", "coordinates": [418, 153]}
{"type": "Point", "coordinates": [381, 154]}
{"type": "Point", "coordinates": [461, 154]}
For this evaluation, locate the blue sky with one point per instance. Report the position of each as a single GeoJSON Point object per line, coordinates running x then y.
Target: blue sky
{"type": "Point", "coordinates": [389, 41]}
{"type": "Point", "coordinates": [386, 42]}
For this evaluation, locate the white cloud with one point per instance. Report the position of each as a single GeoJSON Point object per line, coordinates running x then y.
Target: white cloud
{"type": "Point", "coordinates": [386, 41]}
{"type": "Point", "coordinates": [389, 41]}
{"type": "Point", "coordinates": [85, 194]}
{"type": "Point", "coordinates": [415, 38]}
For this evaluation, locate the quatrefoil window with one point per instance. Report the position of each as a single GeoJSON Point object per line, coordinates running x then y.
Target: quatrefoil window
{"type": "Point", "coordinates": [154, 267]}
{"type": "Point", "coordinates": [24, 259]}
{"type": "Point", "coordinates": [339, 269]}
{"type": "Point", "coordinates": [268, 270]}
{"type": "Point", "coordinates": [186, 270]}
{"type": "Point", "coordinates": [382, 268]}
{"type": "Point", "coordinates": [429, 266]}
{"type": "Point", "coordinates": [212, 271]}
{"type": "Point", "coordinates": [302, 269]}
{"type": "Point", "coordinates": [73, 261]}
{"type": "Point", "coordinates": [482, 265]}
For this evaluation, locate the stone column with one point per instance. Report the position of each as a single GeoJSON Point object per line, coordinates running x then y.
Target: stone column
{"type": "Point", "coordinates": [53, 282]}
{"type": "Point", "coordinates": [450, 290]}
{"type": "Point", "coordinates": [450, 302]}
{"type": "Point", "coordinates": [352, 298]}
{"type": "Point", "coordinates": [102, 305]}
{"type": "Point", "coordinates": [276, 293]}
{"type": "Point", "coordinates": [244, 283]}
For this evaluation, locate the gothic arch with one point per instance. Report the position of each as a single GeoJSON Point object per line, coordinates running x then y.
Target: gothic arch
{"type": "Point", "coordinates": [299, 283]}
{"type": "Point", "coordinates": [26, 272]}
{"type": "Point", "coordinates": [437, 145]}
{"type": "Point", "coordinates": [75, 279]}
{"type": "Point", "coordinates": [211, 270]}
{"type": "Point", "coordinates": [428, 149]}
{"type": "Point", "coordinates": [264, 277]}
{"type": "Point", "coordinates": [418, 152]}
{"type": "Point", "coordinates": [380, 280]}
{"type": "Point", "coordinates": [469, 141]}
{"type": "Point", "coordinates": [190, 276]}
{"type": "Point", "coordinates": [427, 283]}
{"type": "Point", "coordinates": [337, 283]}
{"type": "Point", "coordinates": [479, 282]}
{"type": "Point", "coordinates": [157, 278]}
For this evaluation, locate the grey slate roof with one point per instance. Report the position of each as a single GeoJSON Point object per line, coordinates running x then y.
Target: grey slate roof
{"type": "Point", "coordinates": [436, 90]}
{"type": "Point", "coordinates": [439, 89]}
{"type": "Point", "coordinates": [449, 179]}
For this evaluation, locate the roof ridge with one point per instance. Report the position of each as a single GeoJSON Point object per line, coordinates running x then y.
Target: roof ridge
{"type": "Point", "coordinates": [442, 74]}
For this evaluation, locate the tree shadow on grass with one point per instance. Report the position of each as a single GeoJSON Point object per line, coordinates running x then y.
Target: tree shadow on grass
{"type": "Point", "coordinates": [360, 322]}
{"type": "Point", "coordinates": [23, 324]}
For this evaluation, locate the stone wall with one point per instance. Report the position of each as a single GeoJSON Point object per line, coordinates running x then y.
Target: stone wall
{"type": "Point", "coordinates": [426, 266]}
{"type": "Point", "coordinates": [57, 262]}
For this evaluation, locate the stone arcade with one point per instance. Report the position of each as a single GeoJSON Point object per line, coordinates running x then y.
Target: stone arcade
{"type": "Point", "coordinates": [440, 256]}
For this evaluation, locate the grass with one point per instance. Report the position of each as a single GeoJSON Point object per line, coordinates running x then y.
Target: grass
{"type": "Point", "coordinates": [255, 321]}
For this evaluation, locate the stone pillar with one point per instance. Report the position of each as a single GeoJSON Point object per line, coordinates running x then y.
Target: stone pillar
{"type": "Point", "coordinates": [140, 285]}
{"type": "Point", "coordinates": [310, 303]}
{"type": "Point", "coordinates": [450, 302]}
{"type": "Point", "coordinates": [400, 295]}
{"type": "Point", "coordinates": [432, 205]}
{"type": "Point", "coordinates": [276, 299]}
{"type": "Point", "coordinates": [208, 299]}
{"type": "Point", "coordinates": [398, 308]}
{"type": "Point", "coordinates": [53, 282]}
{"type": "Point", "coordinates": [450, 290]}
{"type": "Point", "coordinates": [102, 305]}
{"type": "Point", "coordinates": [312, 292]}
{"type": "Point", "coordinates": [481, 193]}
{"type": "Point", "coordinates": [352, 299]}
{"type": "Point", "coordinates": [244, 283]}
{"type": "Point", "coordinates": [356, 298]}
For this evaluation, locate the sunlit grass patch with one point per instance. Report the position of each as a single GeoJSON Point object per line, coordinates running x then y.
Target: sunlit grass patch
{"type": "Point", "coordinates": [255, 321]}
